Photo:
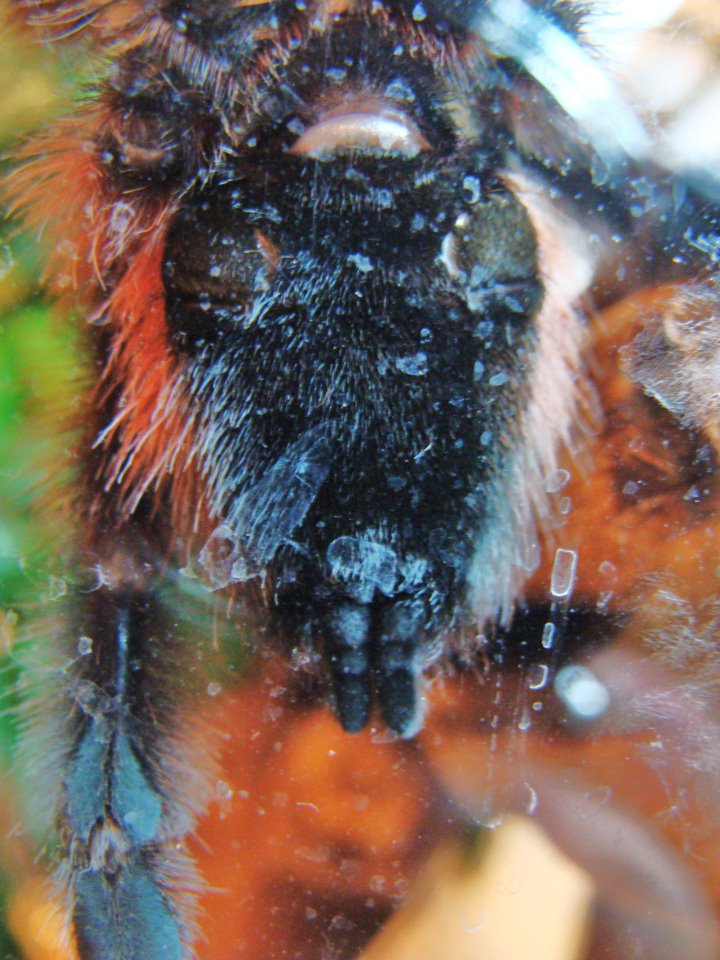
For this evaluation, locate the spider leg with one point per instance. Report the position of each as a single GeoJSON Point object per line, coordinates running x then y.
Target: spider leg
{"type": "Point", "coordinates": [120, 819]}
{"type": "Point", "coordinates": [365, 650]}
{"type": "Point", "coordinates": [348, 628]}
{"type": "Point", "coordinates": [396, 665]}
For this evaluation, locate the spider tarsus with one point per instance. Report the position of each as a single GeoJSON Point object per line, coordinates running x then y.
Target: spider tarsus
{"type": "Point", "coordinates": [367, 646]}
{"type": "Point", "coordinates": [396, 668]}
{"type": "Point", "coordinates": [348, 628]}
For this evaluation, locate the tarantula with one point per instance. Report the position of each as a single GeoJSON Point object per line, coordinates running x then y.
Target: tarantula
{"type": "Point", "coordinates": [331, 254]}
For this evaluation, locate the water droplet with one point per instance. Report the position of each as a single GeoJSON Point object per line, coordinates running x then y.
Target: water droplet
{"type": "Point", "coordinates": [415, 365]}
{"type": "Point", "coordinates": [419, 13]}
{"type": "Point", "coordinates": [563, 573]}
{"type": "Point", "coordinates": [581, 692]}
{"type": "Point", "coordinates": [548, 636]}
{"type": "Point", "coordinates": [362, 263]}
{"type": "Point", "coordinates": [223, 791]}
{"type": "Point", "coordinates": [241, 571]}
{"type": "Point", "coordinates": [603, 600]}
{"type": "Point", "coordinates": [556, 481]}
{"type": "Point", "coordinates": [377, 883]}
{"type": "Point", "coordinates": [84, 646]}
{"type": "Point", "coordinates": [538, 676]}
{"type": "Point", "coordinates": [121, 218]}
{"type": "Point", "coordinates": [533, 800]}
{"type": "Point", "coordinates": [336, 74]}
{"type": "Point", "coordinates": [57, 588]}
{"type": "Point", "coordinates": [218, 556]}
{"type": "Point", "coordinates": [448, 256]}
{"type": "Point", "coordinates": [529, 555]}
{"type": "Point", "coordinates": [213, 689]}
{"type": "Point", "coordinates": [484, 330]}
{"type": "Point", "coordinates": [398, 89]}
{"type": "Point", "coordinates": [471, 186]}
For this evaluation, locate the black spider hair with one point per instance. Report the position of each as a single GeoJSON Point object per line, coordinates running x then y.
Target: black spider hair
{"type": "Point", "coordinates": [569, 15]}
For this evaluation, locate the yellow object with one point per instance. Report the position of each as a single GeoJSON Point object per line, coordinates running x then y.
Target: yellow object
{"type": "Point", "coordinates": [36, 922]}
{"type": "Point", "coordinates": [519, 898]}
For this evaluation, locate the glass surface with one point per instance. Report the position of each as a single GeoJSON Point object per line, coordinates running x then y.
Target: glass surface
{"type": "Point", "coordinates": [592, 715]}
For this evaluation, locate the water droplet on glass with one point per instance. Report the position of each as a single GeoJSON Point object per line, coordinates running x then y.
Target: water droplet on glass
{"type": "Point", "coordinates": [471, 186]}
{"type": "Point", "coordinates": [57, 588]}
{"type": "Point", "coordinates": [213, 689]}
{"type": "Point", "coordinates": [603, 601]}
{"type": "Point", "coordinates": [398, 89]}
{"type": "Point", "coordinates": [84, 646]}
{"type": "Point", "coordinates": [336, 74]}
{"type": "Point", "coordinates": [533, 800]}
{"type": "Point", "coordinates": [556, 481]}
{"type": "Point", "coordinates": [377, 883]}
{"type": "Point", "coordinates": [538, 676]}
{"type": "Point", "coordinates": [631, 488]}
{"type": "Point", "coordinates": [548, 636]}
{"type": "Point", "coordinates": [241, 571]}
{"type": "Point", "coordinates": [223, 791]}
{"type": "Point", "coordinates": [296, 126]}
{"type": "Point", "coordinates": [218, 556]}
{"type": "Point", "coordinates": [419, 13]}
{"type": "Point", "coordinates": [415, 365]}
{"type": "Point", "coordinates": [121, 217]}
{"type": "Point", "coordinates": [563, 573]}
{"type": "Point", "coordinates": [361, 262]}
{"type": "Point", "coordinates": [529, 556]}
{"type": "Point", "coordinates": [581, 692]}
